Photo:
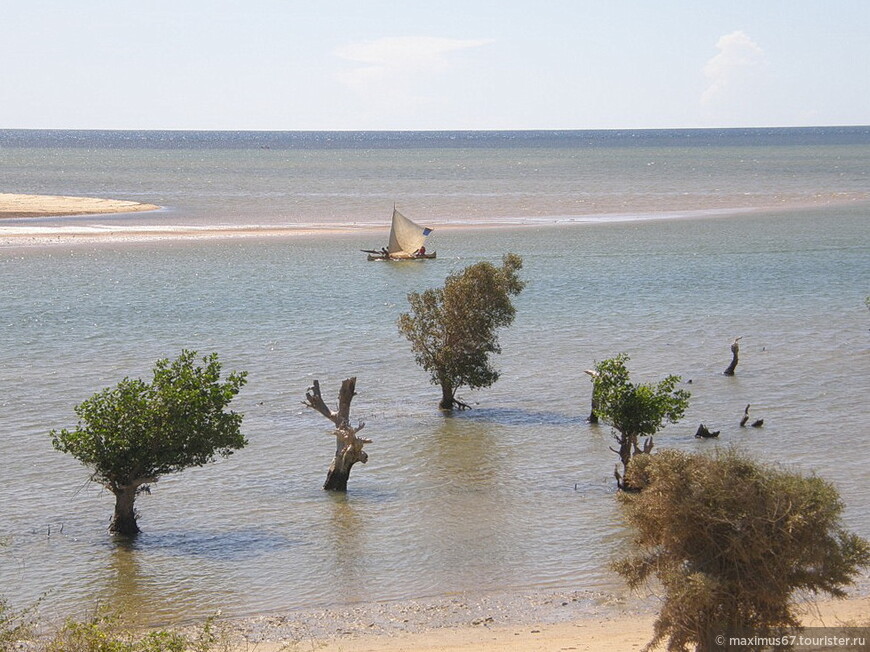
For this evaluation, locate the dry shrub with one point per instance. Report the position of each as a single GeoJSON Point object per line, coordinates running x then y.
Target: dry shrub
{"type": "Point", "coordinates": [14, 626]}
{"type": "Point", "coordinates": [105, 632]}
{"type": "Point", "coordinates": [731, 542]}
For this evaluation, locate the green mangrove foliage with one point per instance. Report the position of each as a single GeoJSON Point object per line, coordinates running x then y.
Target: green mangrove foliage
{"type": "Point", "coordinates": [634, 411]}
{"type": "Point", "coordinates": [453, 329]}
{"type": "Point", "coordinates": [132, 434]}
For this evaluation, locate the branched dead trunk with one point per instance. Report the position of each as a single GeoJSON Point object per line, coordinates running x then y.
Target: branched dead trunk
{"type": "Point", "coordinates": [348, 447]}
{"type": "Point", "coordinates": [735, 350]}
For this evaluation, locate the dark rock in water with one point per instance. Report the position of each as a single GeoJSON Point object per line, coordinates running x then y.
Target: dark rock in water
{"type": "Point", "coordinates": [704, 433]}
{"type": "Point", "coordinates": [758, 423]}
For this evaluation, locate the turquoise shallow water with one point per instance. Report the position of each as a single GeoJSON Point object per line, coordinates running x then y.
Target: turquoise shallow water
{"type": "Point", "coordinates": [517, 493]}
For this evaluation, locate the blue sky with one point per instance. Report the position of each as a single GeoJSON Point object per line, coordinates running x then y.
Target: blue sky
{"type": "Point", "coordinates": [450, 64]}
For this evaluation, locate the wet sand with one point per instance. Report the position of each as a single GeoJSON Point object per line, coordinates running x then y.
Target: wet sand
{"type": "Point", "coordinates": [539, 622]}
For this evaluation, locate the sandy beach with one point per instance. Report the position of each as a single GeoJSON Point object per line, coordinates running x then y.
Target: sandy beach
{"type": "Point", "coordinates": [531, 623]}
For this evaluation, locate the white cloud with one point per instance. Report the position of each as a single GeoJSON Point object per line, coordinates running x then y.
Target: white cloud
{"type": "Point", "coordinates": [738, 61]}
{"type": "Point", "coordinates": [391, 58]}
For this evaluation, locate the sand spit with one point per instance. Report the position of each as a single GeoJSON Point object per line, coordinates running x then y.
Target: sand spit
{"type": "Point", "coordinates": [18, 206]}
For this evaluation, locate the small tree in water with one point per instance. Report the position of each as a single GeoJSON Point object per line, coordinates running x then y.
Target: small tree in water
{"type": "Point", "coordinates": [452, 330]}
{"type": "Point", "coordinates": [132, 434]}
{"type": "Point", "coordinates": [634, 411]}
{"type": "Point", "coordinates": [730, 542]}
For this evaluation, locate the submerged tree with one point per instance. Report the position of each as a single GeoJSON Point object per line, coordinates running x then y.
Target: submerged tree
{"type": "Point", "coordinates": [348, 447]}
{"type": "Point", "coordinates": [453, 329]}
{"type": "Point", "coordinates": [735, 356]}
{"type": "Point", "coordinates": [634, 411]}
{"type": "Point", "coordinates": [132, 434]}
{"type": "Point", "coordinates": [731, 542]}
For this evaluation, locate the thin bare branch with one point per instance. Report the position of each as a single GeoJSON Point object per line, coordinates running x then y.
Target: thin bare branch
{"type": "Point", "coordinates": [314, 400]}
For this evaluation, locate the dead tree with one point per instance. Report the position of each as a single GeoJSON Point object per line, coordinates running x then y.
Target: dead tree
{"type": "Point", "coordinates": [593, 417]}
{"type": "Point", "coordinates": [745, 416]}
{"type": "Point", "coordinates": [348, 447]}
{"type": "Point", "coordinates": [755, 424]}
{"type": "Point", "coordinates": [735, 350]}
{"type": "Point", "coordinates": [705, 433]}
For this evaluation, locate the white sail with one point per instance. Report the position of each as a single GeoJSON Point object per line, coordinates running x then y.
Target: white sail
{"type": "Point", "coordinates": [406, 237]}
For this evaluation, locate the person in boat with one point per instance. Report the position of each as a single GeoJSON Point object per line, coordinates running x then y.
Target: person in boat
{"type": "Point", "coordinates": [384, 252]}
{"type": "Point", "coordinates": [420, 252]}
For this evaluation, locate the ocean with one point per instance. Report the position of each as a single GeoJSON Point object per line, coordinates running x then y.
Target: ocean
{"type": "Point", "coordinates": [665, 245]}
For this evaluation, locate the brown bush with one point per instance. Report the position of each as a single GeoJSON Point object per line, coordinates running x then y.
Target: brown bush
{"type": "Point", "coordinates": [731, 542]}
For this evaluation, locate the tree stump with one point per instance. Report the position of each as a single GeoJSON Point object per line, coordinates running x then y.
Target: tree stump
{"type": "Point", "coordinates": [593, 416]}
{"type": "Point", "coordinates": [705, 433]}
{"type": "Point", "coordinates": [745, 416]}
{"type": "Point", "coordinates": [735, 350]}
{"type": "Point", "coordinates": [348, 447]}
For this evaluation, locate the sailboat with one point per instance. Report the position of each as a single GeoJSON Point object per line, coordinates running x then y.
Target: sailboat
{"type": "Point", "coordinates": [406, 241]}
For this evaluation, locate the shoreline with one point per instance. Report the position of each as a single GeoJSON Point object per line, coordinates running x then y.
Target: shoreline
{"type": "Point", "coordinates": [528, 622]}
{"type": "Point", "coordinates": [17, 207]}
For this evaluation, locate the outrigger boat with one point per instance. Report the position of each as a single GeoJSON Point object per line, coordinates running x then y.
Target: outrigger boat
{"type": "Point", "coordinates": [406, 241]}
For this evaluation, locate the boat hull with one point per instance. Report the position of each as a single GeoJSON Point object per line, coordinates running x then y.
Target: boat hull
{"type": "Point", "coordinates": [400, 259]}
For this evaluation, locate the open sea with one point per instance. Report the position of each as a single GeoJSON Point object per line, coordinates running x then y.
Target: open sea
{"type": "Point", "coordinates": [665, 245]}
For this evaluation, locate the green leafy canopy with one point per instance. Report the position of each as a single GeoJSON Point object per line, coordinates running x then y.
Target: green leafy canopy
{"type": "Point", "coordinates": [138, 431]}
{"type": "Point", "coordinates": [635, 410]}
{"type": "Point", "coordinates": [453, 329]}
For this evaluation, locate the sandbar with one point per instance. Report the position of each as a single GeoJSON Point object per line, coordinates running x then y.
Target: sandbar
{"type": "Point", "coordinates": [19, 206]}
{"type": "Point", "coordinates": [16, 234]}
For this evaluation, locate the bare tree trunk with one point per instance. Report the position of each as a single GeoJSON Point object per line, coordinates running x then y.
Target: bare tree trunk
{"type": "Point", "coordinates": [745, 415]}
{"type": "Point", "coordinates": [628, 450]}
{"type": "Point", "coordinates": [624, 452]}
{"type": "Point", "coordinates": [348, 451]}
{"type": "Point", "coordinates": [593, 416]}
{"type": "Point", "coordinates": [124, 518]}
{"type": "Point", "coordinates": [348, 447]}
{"type": "Point", "coordinates": [446, 397]}
{"type": "Point", "coordinates": [735, 350]}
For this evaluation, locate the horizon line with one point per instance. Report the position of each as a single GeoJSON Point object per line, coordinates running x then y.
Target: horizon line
{"type": "Point", "coordinates": [453, 130]}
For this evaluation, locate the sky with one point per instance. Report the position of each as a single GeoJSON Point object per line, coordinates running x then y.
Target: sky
{"type": "Point", "coordinates": [433, 64]}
